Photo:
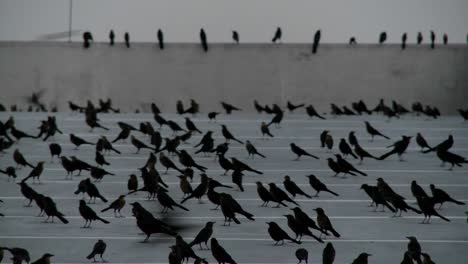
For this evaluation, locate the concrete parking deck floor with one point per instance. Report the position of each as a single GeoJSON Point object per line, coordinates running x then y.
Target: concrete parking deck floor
{"type": "Point", "coordinates": [362, 230]}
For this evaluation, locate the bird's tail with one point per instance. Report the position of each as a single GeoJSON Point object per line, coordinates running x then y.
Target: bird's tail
{"type": "Point", "coordinates": [295, 241]}
{"type": "Point", "coordinates": [261, 155]}
{"type": "Point", "coordinates": [105, 209]}
{"type": "Point", "coordinates": [102, 198]}
{"type": "Point", "coordinates": [186, 198]}
{"type": "Point", "coordinates": [310, 155]}
{"type": "Point", "coordinates": [237, 140]}
{"type": "Point", "coordinates": [306, 195]}
{"type": "Point", "coordinates": [319, 116]}
{"type": "Point", "coordinates": [103, 220]}
{"type": "Point", "coordinates": [336, 234]}
{"type": "Point", "coordinates": [389, 207]}
{"type": "Point", "coordinates": [255, 171]}
{"type": "Point", "coordinates": [90, 256]}
{"type": "Point", "coordinates": [332, 192]}
{"type": "Point", "coordinates": [181, 207]}
{"type": "Point", "coordinates": [384, 136]}
{"type": "Point", "coordinates": [247, 215]}
{"type": "Point", "coordinates": [360, 172]}
{"type": "Point", "coordinates": [456, 202]}
{"type": "Point", "coordinates": [30, 165]}
{"type": "Point", "coordinates": [414, 209]}
{"type": "Point", "coordinates": [443, 217]}
{"type": "Point", "coordinates": [199, 167]}
{"type": "Point", "coordinates": [118, 152]}
{"type": "Point", "coordinates": [315, 237]}
{"type": "Point", "coordinates": [65, 221]}
{"type": "Point", "coordinates": [234, 218]}
{"type": "Point", "coordinates": [354, 155]}
{"type": "Point", "coordinates": [103, 127]}
{"type": "Point", "coordinates": [386, 155]}
{"type": "Point", "coordinates": [269, 134]}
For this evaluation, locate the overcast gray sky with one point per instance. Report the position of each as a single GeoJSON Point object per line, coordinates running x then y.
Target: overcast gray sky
{"type": "Point", "coordinates": [255, 20]}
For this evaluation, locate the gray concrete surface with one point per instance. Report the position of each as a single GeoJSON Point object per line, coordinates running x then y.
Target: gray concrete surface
{"type": "Point", "coordinates": [135, 77]}
{"type": "Point", "coordinates": [362, 230]}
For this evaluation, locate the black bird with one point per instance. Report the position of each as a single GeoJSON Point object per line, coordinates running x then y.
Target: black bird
{"type": "Point", "coordinates": [377, 197]}
{"type": "Point", "coordinates": [167, 163]}
{"type": "Point", "coordinates": [382, 37]}
{"type": "Point", "coordinates": [346, 167]}
{"type": "Point", "coordinates": [265, 195]}
{"type": "Point", "coordinates": [433, 37]}
{"type": "Point", "coordinates": [18, 134]}
{"type": "Point", "coordinates": [417, 190]}
{"type": "Point", "coordinates": [203, 40]}
{"type": "Point", "coordinates": [229, 108]}
{"type": "Point", "coordinates": [127, 39]}
{"type": "Point", "coordinates": [346, 149]}
{"type": "Point", "coordinates": [419, 38]}
{"type": "Point", "coordinates": [373, 132]}
{"type": "Point", "coordinates": [50, 209]}
{"type": "Point", "coordinates": [352, 41]}
{"type": "Point", "coordinates": [104, 145]}
{"type": "Point", "coordinates": [292, 107]}
{"type": "Point", "coordinates": [278, 234]}
{"type": "Point", "coordinates": [212, 115]}
{"type": "Point", "coordinates": [329, 142]}
{"type": "Point", "coordinates": [230, 207]}
{"type": "Point", "coordinates": [220, 254]}
{"type": "Point", "coordinates": [138, 144]}
{"type": "Point", "coordinates": [77, 141]}
{"type": "Point", "coordinates": [235, 36]}
{"type": "Point", "coordinates": [277, 118]}
{"type": "Point", "coordinates": [302, 254]}
{"type": "Point", "coordinates": [174, 126]}
{"type": "Point", "coordinates": [414, 249]}
{"type": "Point", "coordinates": [98, 249]}
{"type": "Point", "coordinates": [241, 166]}
{"type": "Point", "coordinates": [225, 164]}
{"type": "Point", "coordinates": [258, 107]}
{"type": "Point", "coordinates": [167, 202]}
{"type": "Point", "coordinates": [100, 160]}
{"type": "Point", "coordinates": [87, 38]}
{"type": "Point", "coordinates": [305, 219]}
{"type": "Point", "coordinates": [444, 145]}
{"type": "Point", "coordinates": [265, 130]}
{"type": "Point", "coordinates": [10, 172]}
{"type": "Point", "coordinates": [421, 141]}
{"type": "Point", "coordinates": [98, 173]}
{"type": "Point", "coordinates": [228, 135]}
{"type": "Point", "coordinates": [300, 152]}
{"type": "Point", "coordinates": [361, 259]}
{"type": "Point", "coordinates": [55, 150]}
{"type": "Point", "coordinates": [148, 224]}
{"type": "Point", "coordinates": [362, 153]}
{"type": "Point", "coordinates": [200, 190]}
{"type": "Point", "coordinates": [292, 187]}
{"type": "Point", "coordinates": [93, 123]}
{"type": "Point", "coordinates": [426, 204]}
{"type": "Point", "coordinates": [251, 150]}
{"type": "Point", "coordinates": [160, 120]}
{"type": "Point", "coordinates": [427, 259]}
{"type": "Point", "coordinates": [237, 179]}
{"type": "Point", "coordinates": [278, 35]}
{"type": "Point", "coordinates": [323, 138]}
{"type": "Point", "coordinates": [186, 160]}
{"type": "Point", "coordinates": [20, 160]}
{"type": "Point", "coordinates": [452, 158]}
{"type": "Point", "coordinates": [399, 148]}
{"type": "Point", "coordinates": [89, 214]}
{"type": "Point", "coordinates": [203, 236]}
{"type": "Point", "coordinates": [324, 222]}
{"type": "Point", "coordinates": [333, 165]}
{"type": "Point", "coordinates": [318, 186]}
{"type": "Point", "coordinates": [445, 39]}
{"type": "Point", "coordinates": [403, 41]}
{"type": "Point", "coordinates": [19, 254]}
{"type": "Point", "coordinates": [28, 192]}
{"type": "Point", "coordinates": [160, 39]}
{"type": "Point", "coordinates": [116, 205]}
{"type": "Point", "coordinates": [36, 172]}
{"type": "Point", "coordinates": [111, 37]}
{"type": "Point", "coordinates": [191, 126]}
{"type": "Point", "coordinates": [328, 254]}
{"type": "Point", "coordinates": [407, 259]}
{"type": "Point", "coordinates": [299, 228]}
{"type": "Point", "coordinates": [310, 110]}
{"type": "Point", "coordinates": [45, 259]}
{"type": "Point", "coordinates": [440, 196]}
{"type": "Point", "coordinates": [132, 183]}
{"type": "Point", "coordinates": [123, 134]}
{"type": "Point", "coordinates": [316, 41]}
{"type": "Point", "coordinates": [279, 195]}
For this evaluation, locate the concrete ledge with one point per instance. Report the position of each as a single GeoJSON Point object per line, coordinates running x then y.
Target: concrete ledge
{"type": "Point", "coordinates": [270, 73]}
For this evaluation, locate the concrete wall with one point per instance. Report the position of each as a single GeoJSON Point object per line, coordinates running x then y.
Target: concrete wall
{"type": "Point", "coordinates": [236, 73]}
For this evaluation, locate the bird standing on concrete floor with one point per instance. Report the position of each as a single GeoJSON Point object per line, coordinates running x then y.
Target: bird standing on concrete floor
{"type": "Point", "coordinates": [399, 148]}
{"type": "Point", "coordinates": [127, 39]}
{"type": "Point", "coordinates": [98, 249]}
{"type": "Point", "coordinates": [235, 36]}
{"type": "Point", "coordinates": [228, 135]}
{"type": "Point", "coordinates": [265, 130]}
{"type": "Point", "coordinates": [377, 197]}
{"type": "Point", "coordinates": [345, 149]}
{"type": "Point", "coordinates": [414, 249]}
{"type": "Point", "coordinates": [362, 153]}
{"type": "Point", "coordinates": [319, 186]}
{"type": "Point", "coordinates": [373, 132]}
{"type": "Point", "coordinates": [19, 254]}
{"type": "Point", "coordinates": [36, 172]}
{"type": "Point", "coordinates": [251, 150]}
{"type": "Point", "coordinates": [203, 236]}
{"type": "Point", "coordinates": [324, 222]}
{"type": "Point", "coordinates": [77, 141]}
{"type": "Point", "coordinates": [346, 167]}
{"type": "Point", "coordinates": [20, 160]}
{"type": "Point", "coordinates": [111, 37]}
{"type": "Point", "coordinates": [417, 190]}
{"type": "Point", "coordinates": [55, 150]}
{"type": "Point", "coordinates": [116, 205]}
{"type": "Point", "coordinates": [300, 152]}
{"type": "Point", "coordinates": [278, 35]}
{"type": "Point", "coordinates": [265, 195]}
{"type": "Point", "coordinates": [317, 37]}
{"type": "Point", "coordinates": [426, 204]}
{"type": "Point", "coordinates": [219, 253]}
{"type": "Point", "coordinates": [278, 234]}
{"type": "Point", "coordinates": [203, 40]}
{"type": "Point", "coordinates": [160, 37]}
{"type": "Point", "coordinates": [421, 141]}
{"type": "Point", "coordinates": [361, 259]}
{"type": "Point", "coordinates": [212, 115]}
{"type": "Point", "coordinates": [440, 196]}
{"type": "Point", "coordinates": [292, 187]}
{"type": "Point", "coordinates": [10, 172]}
{"type": "Point", "coordinates": [310, 110]}
{"type": "Point", "coordinates": [89, 214]}
{"type": "Point", "coordinates": [279, 195]}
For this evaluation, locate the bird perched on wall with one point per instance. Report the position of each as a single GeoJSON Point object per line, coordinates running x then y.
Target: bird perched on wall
{"type": "Point", "coordinates": [445, 39]}
{"type": "Point", "coordinates": [127, 39]}
{"type": "Point", "coordinates": [419, 38]}
{"type": "Point", "coordinates": [229, 108]}
{"type": "Point", "coordinates": [403, 41]}
{"type": "Point", "coordinates": [87, 39]}
{"type": "Point", "coordinates": [433, 37]}
{"type": "Point", "coordinates": [160, 37]}
{"type": "Point", "coordinates": [278, 35]}
{"type": "Point", "coordinates": [235, 36]}
{"type": "Point", "coordinates": [317, 37]}
{"type": "Point", "coordinates": [111, 37]}
{"type": "Point", "coordinates": [310, 110]}
{"type": "Point", "coordinates": [352, 41]}
{"type": "Point", "coordinates": [203, 40]}
{"type": "Point", "coordinates": [382, 37]}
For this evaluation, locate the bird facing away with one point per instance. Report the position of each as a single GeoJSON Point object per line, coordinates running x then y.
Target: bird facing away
{"type": "Point", "coordinates": [235, 36]}
{"type": "Point", "coordinates": [98, 249]}
{"type": "Point", "coordinates": [160, 37]}
{"type": "Point", "coordinates": [302, 255]}
{"type": "Point", "coordinates": [278, 35]}
{"type": "Point", "coordinates": [382, 37]}
{"type": "Point", "coordinates": [219, 253]}
{"type": "Point", "coordinates": [317, 37]}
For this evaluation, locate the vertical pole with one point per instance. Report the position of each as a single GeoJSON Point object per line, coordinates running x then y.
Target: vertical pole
{"type": "Point", "coordinates": [70, 14]}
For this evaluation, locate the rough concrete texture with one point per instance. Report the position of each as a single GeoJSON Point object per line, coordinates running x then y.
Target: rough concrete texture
{"type": "Point", "coordinates": [271, 73]}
